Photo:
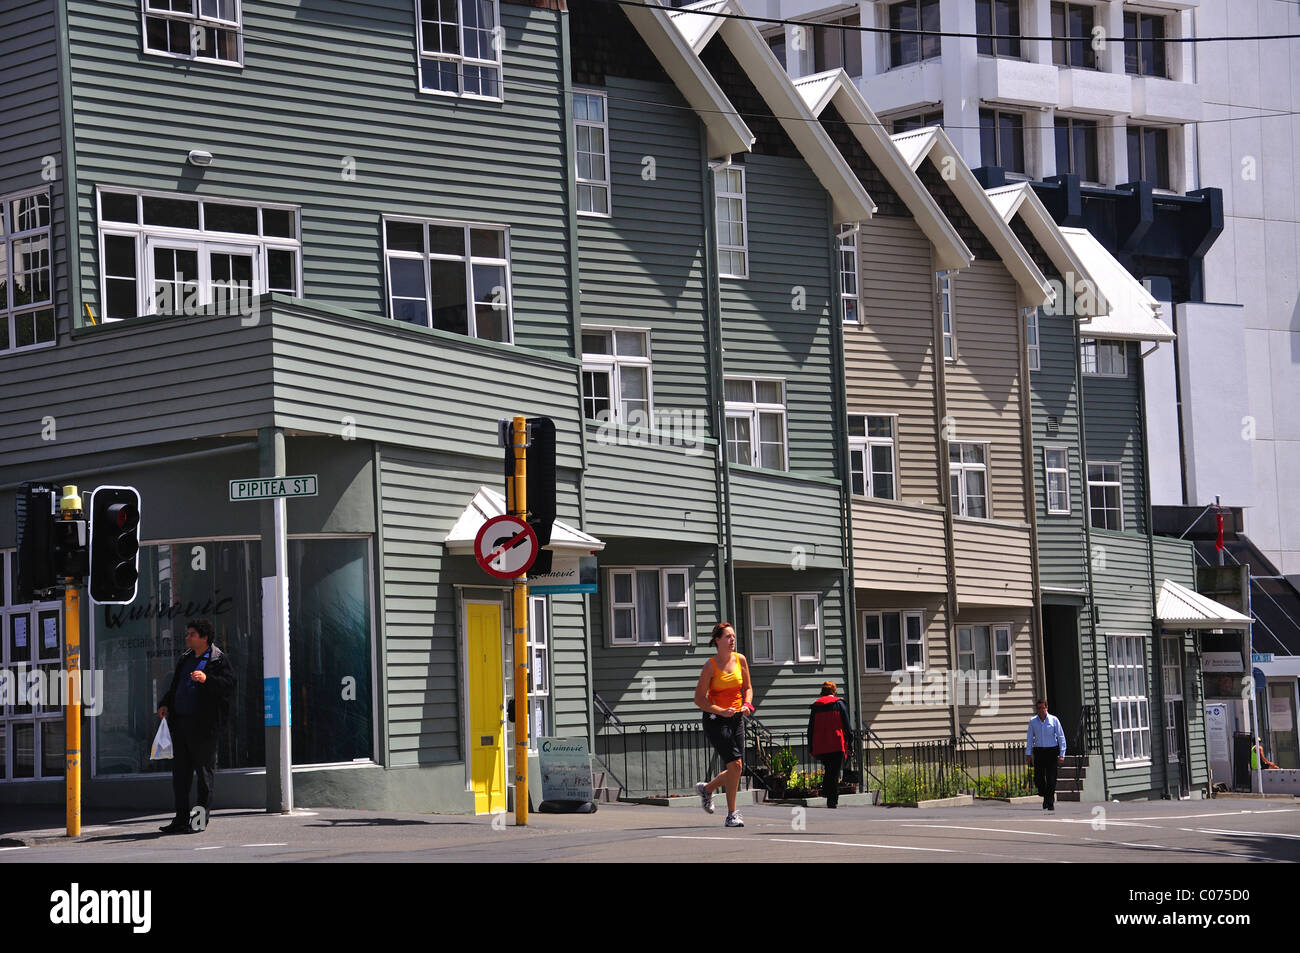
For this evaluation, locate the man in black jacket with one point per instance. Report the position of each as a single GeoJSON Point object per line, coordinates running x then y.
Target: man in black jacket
{"type": "Point", "coordinates": [195, 707]}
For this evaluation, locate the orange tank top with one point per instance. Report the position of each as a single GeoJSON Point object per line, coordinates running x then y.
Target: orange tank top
{"type": "Point", "coordinates": [727, 691]}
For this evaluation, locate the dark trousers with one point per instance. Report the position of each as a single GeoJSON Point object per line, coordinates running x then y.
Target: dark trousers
{"type": "Point", "coordinates": [194, 753]}
{"type": "Point", "coordinates": [1045, 774]}
{"type": "Point", "coordinates": [832, 763]}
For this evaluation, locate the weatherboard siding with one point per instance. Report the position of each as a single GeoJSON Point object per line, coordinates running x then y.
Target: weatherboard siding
{"type": "Point", "coordinates": [351, 140]}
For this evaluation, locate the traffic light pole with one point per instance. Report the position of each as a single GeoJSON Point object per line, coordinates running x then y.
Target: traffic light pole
{"type": "Point", "coordinates": [519, 507]}
{"type": "Point", "coordinates": [72, 710]}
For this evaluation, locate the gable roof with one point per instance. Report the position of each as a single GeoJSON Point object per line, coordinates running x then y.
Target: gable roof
{"type": "Point", "coordinates": [488, 503]}
{"type": "Point", "coordinates": [933, 143]}
{"type": "Point", "coordinates": [697, 27]}
{"type": "Point", "coordinates": [1021, 199]}
{"type": "Point", "coordinates": [837, 89]}
{"type": "Point", "coordinates": [1133, 314]}
{"type": "Point", "coordinates": [1183, 608]}
{"type": "Point", "coordinates": [725, 131]}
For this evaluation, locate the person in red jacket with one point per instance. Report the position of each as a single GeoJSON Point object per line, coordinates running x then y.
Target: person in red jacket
{"type": "Point", "coordinates": [829, 734]}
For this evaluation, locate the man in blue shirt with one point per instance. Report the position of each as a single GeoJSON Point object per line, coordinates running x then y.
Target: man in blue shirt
{"type": "Point", "coordinates": [1045, 749]}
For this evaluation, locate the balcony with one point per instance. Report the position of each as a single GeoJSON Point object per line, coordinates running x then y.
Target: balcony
{"type": "Point", "coordinates": [1017, 82]}
{"type": "Point", "coordinates": [905, 87]}
{"type": "Point", "coordinates": [1164, 100]}
{"type": "Point", "coordinates": [1095, 91]}
{"type": "Point", "coordinates": [899, 546]}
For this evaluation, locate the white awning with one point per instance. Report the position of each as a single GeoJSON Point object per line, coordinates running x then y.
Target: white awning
{"type": "Point", "coordinates": [488, 503]}
{"type": "Point", "coordinates": [1181, 608]}
{"type": "Point", "coordinates": [1134, 315]}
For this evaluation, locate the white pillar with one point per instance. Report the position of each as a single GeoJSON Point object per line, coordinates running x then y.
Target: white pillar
{"type": "Point", "coordinates": [961, 101]}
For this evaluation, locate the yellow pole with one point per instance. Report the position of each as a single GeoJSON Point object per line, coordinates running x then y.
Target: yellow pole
{"type": "Point", "coordinates": [520, 509]}
{"type": "Point", "coordinates": [72, 730]}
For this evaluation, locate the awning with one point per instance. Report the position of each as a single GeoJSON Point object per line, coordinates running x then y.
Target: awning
{"type": "Point", "coordinates": [1181, 608]}
{"type": "Point", "coordinates": [1134, 315]}
{"type": "Point", "coordinates": [488, 503]}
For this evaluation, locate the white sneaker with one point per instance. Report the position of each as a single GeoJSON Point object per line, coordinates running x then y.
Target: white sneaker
{"type": "Point", "coordinates": [734, 820]}
{"type": "Point", "coordinates": [706, 796]}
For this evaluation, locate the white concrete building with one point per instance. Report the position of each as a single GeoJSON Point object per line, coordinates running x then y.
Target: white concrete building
{"type": "Point", "coordinates": [1225, 420]}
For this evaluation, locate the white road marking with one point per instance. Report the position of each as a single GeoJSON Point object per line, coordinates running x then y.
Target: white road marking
{"type": "Point", "coordinates": [991, 830]}
{"type": "Point", "coordinates": [690, 837]}
{"type": "Point", "coordinates": [1239, 833]}
{"type": "Point", "coordinates": [841, 843]}
{"type": "Point", "coordinates": [1184, 850]}
{"type": "Point", "coordinates": [24, 847]}
{"type": "Point", "coordinates": [218, 847]}
{"type": "Point", "coordinates": [1183, 817]}
{"type": "Point", "coordinates": [263, 845]}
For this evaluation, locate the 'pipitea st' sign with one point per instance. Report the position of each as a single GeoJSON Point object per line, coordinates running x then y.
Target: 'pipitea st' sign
{"type": "Point", "coordinates": [270, 488]}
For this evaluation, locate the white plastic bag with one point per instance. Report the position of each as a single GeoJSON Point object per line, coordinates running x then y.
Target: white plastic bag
{"type": "Point", "coordinates": [162, 743]}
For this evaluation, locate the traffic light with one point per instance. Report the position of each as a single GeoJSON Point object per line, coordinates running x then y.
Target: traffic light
{"type": "Point", "coordinates": [114, 544]}
{"type": "Point", "coordinates": [540, 458]}
{"type": "Point", "coordinates": [34, 509]}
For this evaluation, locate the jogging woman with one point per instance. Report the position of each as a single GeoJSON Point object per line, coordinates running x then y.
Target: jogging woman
{"type": "Point", "coordinates": [726, 696]}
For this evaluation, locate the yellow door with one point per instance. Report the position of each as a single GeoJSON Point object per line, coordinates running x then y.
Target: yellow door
{"type": "Point", "coordinates": [487, 726]}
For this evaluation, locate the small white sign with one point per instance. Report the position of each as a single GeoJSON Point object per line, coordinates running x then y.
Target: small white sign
{"type": "Point", "coordinates": [1216, 731]}
{"type": "Point", "coordinates": [565, 764]}
{"type": "Point", "coordinates": [270, 488]}
{"type": "Point", "coordinates": [1279, 713]}
{"type": "Point", "coordinates": [1222, 662]}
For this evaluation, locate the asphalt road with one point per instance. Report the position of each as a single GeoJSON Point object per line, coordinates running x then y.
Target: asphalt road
{"type": "Point", "coordinates": [1218, 831]}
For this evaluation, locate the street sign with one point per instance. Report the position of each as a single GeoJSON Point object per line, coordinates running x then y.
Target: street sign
{"type": "Point", "coordinates": [505, 547]}
{"type": "Point", "coordinates": [1257, 657]}
{"type": "Point", "coordinates": [270, 488]}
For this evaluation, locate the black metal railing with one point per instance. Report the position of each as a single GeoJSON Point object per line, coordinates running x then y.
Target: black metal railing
{"type": "Point", "coordinates": [996, 769]}
{"type": "Point", "coordinates": [656, 760]}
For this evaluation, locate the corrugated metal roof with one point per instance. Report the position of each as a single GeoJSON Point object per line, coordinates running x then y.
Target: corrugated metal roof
{"type": "Point", "coordinates": [488, 503]}
{"type": "Point", "coordinates": [1180, 607]}
{"type": "Point", "coordinates": [1134, 315]}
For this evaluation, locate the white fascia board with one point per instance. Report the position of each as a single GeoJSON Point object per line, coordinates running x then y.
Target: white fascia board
{"type": "Point", "coordinates": [726, 132]}
{"type": "Point", "coordinates": [1021, 199]}
{"type": "Point", "coordinates": [933, 144]}
{"type": "Point", "coordinates": [849, 199]}
{"type": "Point", "coordinates": [836, 88]}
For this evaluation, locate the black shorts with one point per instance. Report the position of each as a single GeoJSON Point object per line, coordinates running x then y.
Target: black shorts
{"type": "Point", "coordinates": [727, 735]}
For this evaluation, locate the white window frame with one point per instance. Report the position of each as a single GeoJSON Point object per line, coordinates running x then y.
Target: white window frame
{"type": "Point", "coordinates": [1064, 61]}
{"type": "Point", "coordinates": [993, 31]}
{"type": "Point", "coordinates": [1171, 664]}
{"type": "Point", "coordinates": [1117, 483]}
{"type": "Point", "coordinates": [753, 410]}
{"type": "Point", "coordinates": [920, 37]}
{"type": "Point", "coordinates": [459, 59]}
{"type": "Point", "coordinates": [947, 315]}
{"type": "Point", "coordinates": [797, 599]}
{"type": "Point", "coordinates": [200, 239]}
{"type": "Point", "coordinates": [1063, 471]}
{"type": "Point", "coordinates": [10, 234]}
{"type": "Point", "coordinates": [863, 445]}
{"type": "Point", "coordinates": [992, 630]}
{"type": "Point", "coordinates": [850, 286]}
{"type": "Point", "coordinates": [196, 20]}
{"type": "Point", "coordinates": [729, 196]}
{"type": "Point", "coordinates": [960, 469]}
{"type": "Point", "coordinates": [664, 605]}
{"type": "Point", "coordinates": [1130, 705]}
{"type": "Point", "coordinates": [467, 258]}
{"type": "Point", "coordinates": [42, 713]}
{"type": "Point", "coordinates": [910, 122]}
{"type": "Point", "coordinates": [539, 669]}
{"type": "Point", "coordinates": [1099, 357]}
{"type": "Point", "coordinates": [999, 159]}
{"type": "Point", "coordinates": [604, 184]}
{"type": "Point", "coordinates": [879, 642]}
{"type": "Point", "coordinates": [1033, 342]}
{"type": "Point", "coordinates": [613, 364]}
